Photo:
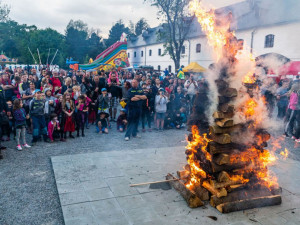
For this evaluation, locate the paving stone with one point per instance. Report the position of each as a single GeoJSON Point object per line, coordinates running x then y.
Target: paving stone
{"type": "Point", "coordinates": [77, 211]}
{"type": "Point", "coordinates": [120, 186]}
{"type": "Point", "coordinates": [131, 202]}
{"type": "Point", "coordinates": [73, 198]}
{"type": "Point", "coordinates": [141, 215]}
{"type": "Point", "coordinates": [69, 187]}
{"type": "Point", "coordinates": [93, 184]}
{"type": "Point", "coordinates": [99, 193]}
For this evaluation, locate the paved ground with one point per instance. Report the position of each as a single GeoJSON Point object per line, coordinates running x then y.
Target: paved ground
{"type": "Point", "coordinates": [27, 187]}
{"type": "Point", "coordinates": [94, 189]}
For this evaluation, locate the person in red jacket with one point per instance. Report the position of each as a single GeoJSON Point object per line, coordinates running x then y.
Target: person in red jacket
{"type": "Point", "coordinates": [56, 83]}
{"type": "Point", "coordinates": [53, 128]}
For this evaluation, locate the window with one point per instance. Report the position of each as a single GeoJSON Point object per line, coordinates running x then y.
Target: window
{"type": "Point", "coordinates": [183, 50]}
{"type": "Point", "coordinates": [269, 41]}
{"type": "Point", "coordinates": [150, 52]}
{"type": "Point", "coordinates": [170, 69]}
{"type": "Point", "coordinates": [159, 51]}
{"type": "Point", "coordinates": [158, 68]}
{"type": "Point", "coordinates": [134, 54]}
{"type": "Point", "coordinates": [142, 53]}
{"type": "Point", "coordinates": [198, 48]}
{"type": "Point", "coordinates": [240, 44]}
{"type": "Point", "coordinates": [128, 55]}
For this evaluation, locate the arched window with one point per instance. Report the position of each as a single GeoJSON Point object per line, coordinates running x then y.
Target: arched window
{"type": "Point", "coordinates": [150, 52]}
{"type": "Point", "coordinates": [159, 51]}
{"type": "Point", "coordinates": [142, 53]}
{"type": "Point", "coordinates": [170, 69]}
{"type": "Point", "coordinates": [269, 41]}
{"type": "Point", "coordinates": [158, 68]}
{"type": "Point", "coordinates": [198, 48]}
{"type": "Point", "coordinates": [183, 50]}
{"type": "Point", "coordinates": [134, 54]}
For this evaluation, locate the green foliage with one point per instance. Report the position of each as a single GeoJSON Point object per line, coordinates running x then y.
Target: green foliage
{"type": "Point", "coordinates": [116, 32]}
{"type": "Point", "coordinates": [4, 12]}
{"type": "Point", "coordinates": [140, 26]}
{"type": "Point", "coordinates": [177, 23]}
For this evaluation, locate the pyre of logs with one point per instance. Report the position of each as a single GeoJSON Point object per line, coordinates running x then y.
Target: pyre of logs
{"type": "Point", "coordinates": [221, 187]}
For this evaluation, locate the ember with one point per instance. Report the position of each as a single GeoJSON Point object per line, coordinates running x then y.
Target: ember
{"type": "Point", "coordinates": [231, 160]}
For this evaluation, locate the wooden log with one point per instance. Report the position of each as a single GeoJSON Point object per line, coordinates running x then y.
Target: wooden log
{"type": "Point", "coordinates": [226, 108]}
{"type": "Point", "coordinates": [183, 174]}
{"type": "Point", "coordinates": [223, 177]}
{"type": "Point", "coordinates": [215, 148]}
{"type": "Point", "coordinates": [191, 198]}
{"type": "Point", "coordinates": [249, 204]}
{"type": "Point", "coordinates": [224, 100]}
{"type": "Point", "coordinates": [221, 138]}
{"type": "Point", "coordinates": [227, 167]}
{"type": "Point", "coordinates": [219, 193]}
{"type": "Point", "coordinates": [240, 195]}
{"type": "Point", "coordinates": [221, 115]}
{"type": "Point", "coordinates": [229, 92]}
{"type": "Point", "coordinates": [202, 193]}
{"type": "Point", "coordinates": [218, 185]}
{"type": "Point", "coordinates": [225, 123]}
{"type": "Point", "coordinates": [222, 159]}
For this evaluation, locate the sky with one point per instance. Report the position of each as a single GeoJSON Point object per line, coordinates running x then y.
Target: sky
{"type": "Point", "coordinates": [98, 14]}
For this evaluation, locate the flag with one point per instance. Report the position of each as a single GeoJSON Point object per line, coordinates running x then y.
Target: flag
{"type": "Point", "coordinates": [180, 74]}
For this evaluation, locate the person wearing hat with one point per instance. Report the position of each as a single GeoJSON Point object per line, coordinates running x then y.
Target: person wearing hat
{"type": "Point", "coordinates": [122, 120]}
{"type": "Point", "coordinates": [102, 125]}
{"type": "Point", "coordinates": [161, 101]}
{"type": "Point", "coordinates": [102, 105]}
{"type": "Point", "coordinates": [37, 113]}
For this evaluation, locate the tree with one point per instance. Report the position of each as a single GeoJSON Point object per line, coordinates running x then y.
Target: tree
{"type": "Point", "coordinates": [95, 45]}
{"type": "Point", "coordinates": [76, 40]}
{"type": "Point", "coordinates": [140, 26]}
{"type": "Point", "coordinates": [116, 32]}
{"type": "Point", "coordinates": [4, 12]}
{"type": "Point", "coordinates": [177, 26]}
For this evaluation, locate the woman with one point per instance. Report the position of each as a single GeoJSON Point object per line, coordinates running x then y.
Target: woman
{"type": "Point", "coordinates": [74, 81]}
{"type": "Point", "coordinates": [67, 86]}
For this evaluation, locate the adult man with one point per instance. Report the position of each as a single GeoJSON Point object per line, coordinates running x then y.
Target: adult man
{"type": "Point", "coordinates": [136, 96]}
{"type": "Point", "coordinates": [7, 87]}
{"type": "Point", "coordinates": [3, 111]}
{"type": "Point", "coordinates": [192, 88]}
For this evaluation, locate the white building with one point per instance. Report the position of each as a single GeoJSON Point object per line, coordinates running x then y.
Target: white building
{"type": "Point", "coordinates": [268, 26]}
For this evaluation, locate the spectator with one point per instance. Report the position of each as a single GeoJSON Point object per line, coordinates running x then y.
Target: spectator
{"type": "Point", "coordinates": [161, 101]}
{"type": "Point", "coordinates": [122, 121]}
{"type": "Point", "coordinates": [136, 96]}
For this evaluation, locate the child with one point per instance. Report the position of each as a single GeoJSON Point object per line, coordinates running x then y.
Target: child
{"type": "Point", "coordinates": [102, 123]}
{"type": "Point", "coordinates": [20, 123]}
{"type": "Point", "coordinates": [82, 109]}
{"type": "Point", "coordinates": [161, 108]}
{"type": "Point", "coordinates": [37, 113]}
{"type": "Point", "coordinates": [122, 121]}
{"type": "Point", "coordinates": [53, 127]}
{"type": "Point", "coordinates": [59, 113]}
{"type": "Point", "coordinates": [102, 104]}
{"type": "Point", "coordinates": [68, 109]}
{"type": "Point", "coordinates": [49, 105]}
{"type": "Point", "coordinates": [7, 122]}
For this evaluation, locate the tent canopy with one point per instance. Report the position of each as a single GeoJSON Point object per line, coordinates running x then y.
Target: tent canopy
{"type": "Point", "coordinates": [291, 68]}
{"type": "Point", "coordinates": [194, 68]}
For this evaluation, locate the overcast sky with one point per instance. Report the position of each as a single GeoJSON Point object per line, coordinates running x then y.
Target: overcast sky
{"type": "Point", "coordinates": [99, 14]}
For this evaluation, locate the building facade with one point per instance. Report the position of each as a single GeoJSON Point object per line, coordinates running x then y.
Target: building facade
{"type": "Point", "coordinates": [265, 26]}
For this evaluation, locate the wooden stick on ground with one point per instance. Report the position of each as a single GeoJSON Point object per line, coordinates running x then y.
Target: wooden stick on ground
{"type": "Point", "coordinates": [154, 182]}
{"type": "Point", "coordinates": [191, 198]}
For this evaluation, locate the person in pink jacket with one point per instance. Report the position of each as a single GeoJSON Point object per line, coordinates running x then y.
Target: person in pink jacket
{"type": "Point", "coordinates": [117, 76]}
{"type": "Point", "coordinates": [292, 115]}
{"type": "Point", "coordinates": [53, 128]}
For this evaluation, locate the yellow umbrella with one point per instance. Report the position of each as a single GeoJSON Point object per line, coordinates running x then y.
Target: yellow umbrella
{"type": "Point", "coordinates": [194, 68]}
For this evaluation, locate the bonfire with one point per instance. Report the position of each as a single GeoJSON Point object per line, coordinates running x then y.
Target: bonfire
{"type": "Point", "coordinates": [228, 165]}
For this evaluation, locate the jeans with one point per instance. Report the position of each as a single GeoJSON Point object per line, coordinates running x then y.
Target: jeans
{"type": "Point", "coordinates": [39, 124]}
{"type": "Point", "coordinates": [146, 114]}
{"type": "Point", "coordinates": [133, 122]}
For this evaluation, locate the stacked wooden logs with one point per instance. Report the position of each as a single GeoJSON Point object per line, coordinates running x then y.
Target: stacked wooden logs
{"type": "Point", "coordinates": [226, 190]}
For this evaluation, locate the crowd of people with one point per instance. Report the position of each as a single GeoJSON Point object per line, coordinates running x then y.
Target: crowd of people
{"type": "Point", "coordinates": [59, 105]}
